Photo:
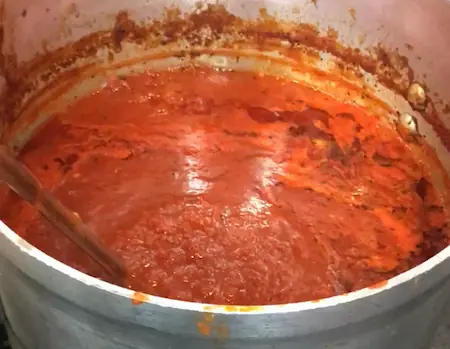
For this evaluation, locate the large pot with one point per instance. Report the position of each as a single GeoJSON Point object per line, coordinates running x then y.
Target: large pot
{"type": "Point", "coordinates": [50, 305]}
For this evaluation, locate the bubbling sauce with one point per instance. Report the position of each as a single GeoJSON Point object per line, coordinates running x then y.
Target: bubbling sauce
{"type": "Point", "coordinates": [233, 188]}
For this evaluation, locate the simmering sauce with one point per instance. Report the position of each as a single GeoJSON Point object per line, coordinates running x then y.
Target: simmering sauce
{"type": "Point", "coordinates": [233, 188]}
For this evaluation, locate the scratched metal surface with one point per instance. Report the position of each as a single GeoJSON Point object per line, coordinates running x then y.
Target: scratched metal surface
{"type": "Point", "coordinates": [442, 338]}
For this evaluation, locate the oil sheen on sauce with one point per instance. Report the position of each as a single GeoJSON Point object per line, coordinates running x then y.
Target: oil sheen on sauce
{"type": "Point", "coordinates": [233, 188]}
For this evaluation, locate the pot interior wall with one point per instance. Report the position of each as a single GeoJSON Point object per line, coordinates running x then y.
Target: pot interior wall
{"type": "Point", "coordinates": [32, 29]}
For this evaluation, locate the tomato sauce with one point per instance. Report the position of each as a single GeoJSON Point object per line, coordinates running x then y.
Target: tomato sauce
{"type": "Point", "coordinates": [233, 188]}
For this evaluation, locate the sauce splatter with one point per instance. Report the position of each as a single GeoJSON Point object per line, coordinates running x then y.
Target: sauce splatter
{"type": "Point", "coordinates": [204, 326]}
{"type": "Point", "coordinates": [233, 188]}
{"type": "Point", "coordinates": [139, 298]}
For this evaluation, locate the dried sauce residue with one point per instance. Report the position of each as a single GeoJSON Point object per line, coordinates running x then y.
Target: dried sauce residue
{"type": "Point", "coordinates": [139, 298]}
{"type": "Point", "coordinates": [233, 188]}
{"type": "Point", "coordinates": [209, 326]}
{"type": "Point", "coordinates": [205, 28]}
{"type": "Point", "coordinates": [192, 28]}
{"type": "Point", "coordinates": [352, 13]}
{"type": "Point", "coordinates": [204, 326]}
{"type": "Point", "coordinates": [446, 109]}
{"type": "Point", "coordinates": [126, 29]}
{"type": "Point", "coordinates": [409, 47]}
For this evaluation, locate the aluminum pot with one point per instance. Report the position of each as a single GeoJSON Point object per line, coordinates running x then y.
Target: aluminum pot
{"type": "Point", "coordinates": [49, 305]}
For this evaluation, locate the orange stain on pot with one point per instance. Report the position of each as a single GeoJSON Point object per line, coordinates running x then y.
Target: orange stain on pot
{"type": "Point", "coordinates": [222, 332]}
{"type": "Point", "coordinates": [139, 298]}
{"type": "Point", "coordinates": [204, 326]}
{"type": "Point", "coordinates": [234, 308]}
{"type": "Point", "coordinates": [208, 317]}
{"type": "Point", "coordinates": [210, 326]}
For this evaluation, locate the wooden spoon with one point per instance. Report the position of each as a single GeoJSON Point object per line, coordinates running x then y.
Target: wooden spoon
{"type": "Point", "coordinates": [21, 180]}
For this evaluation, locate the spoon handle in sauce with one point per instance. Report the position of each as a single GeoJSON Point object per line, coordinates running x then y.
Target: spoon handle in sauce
{"type": "Point", "coordinates": [21, 180]}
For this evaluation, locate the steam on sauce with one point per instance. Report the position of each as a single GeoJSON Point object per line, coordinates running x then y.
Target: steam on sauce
{"type": "Point", "coordinates": [233, 188]}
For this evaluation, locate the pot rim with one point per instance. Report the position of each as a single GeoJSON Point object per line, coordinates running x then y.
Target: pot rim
{"type": "Point", "coordinates": [138, 298]}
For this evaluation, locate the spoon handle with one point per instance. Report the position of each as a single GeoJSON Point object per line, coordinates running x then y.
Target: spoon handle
{"type": "Point", "coordinates": [23, 182]}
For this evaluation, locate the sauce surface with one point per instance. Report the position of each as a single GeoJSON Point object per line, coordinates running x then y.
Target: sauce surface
{"type": "Point", "coordinates": [233, 188]}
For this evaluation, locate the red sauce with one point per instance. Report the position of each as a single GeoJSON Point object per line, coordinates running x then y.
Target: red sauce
{"type": "Point", "coordinates": [233, 188]}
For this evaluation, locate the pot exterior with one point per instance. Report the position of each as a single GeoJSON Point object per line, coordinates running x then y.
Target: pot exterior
{"type": "Point", "coordinates": [51, 306]}
{"type": "Point", "coordinates": [39, 318]}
